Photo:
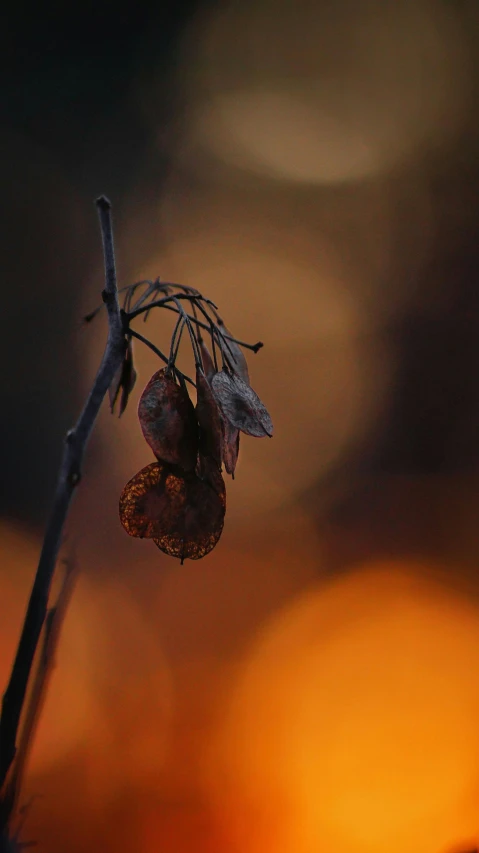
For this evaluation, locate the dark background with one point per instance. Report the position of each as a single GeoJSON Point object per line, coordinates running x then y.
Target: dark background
{"type": "Point", "coordinates": [70, 130]}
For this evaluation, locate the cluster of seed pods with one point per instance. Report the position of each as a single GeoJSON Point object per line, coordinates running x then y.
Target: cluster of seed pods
{"type": "Point", "coordinates": [179, 501]}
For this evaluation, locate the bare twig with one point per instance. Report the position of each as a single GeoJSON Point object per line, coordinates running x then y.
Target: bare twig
{"type": "Point", "coordinates": [46, 662]}
{"type": "Point", "coordinates": [164, 358]}
{"type": "Point", "coordinates": [163, 303]}
{"type": "Point", "coordinates": [68, 478]}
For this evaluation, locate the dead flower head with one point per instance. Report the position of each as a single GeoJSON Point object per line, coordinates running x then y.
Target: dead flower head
{"type": "Point", "coordinates": [240, 405]}
{"type": "Point", "coordinates": [179, 501]}
{"type": "Point", "coordinates": [168, 421]}
{"type": "Point", "coordinates": [183, 514]}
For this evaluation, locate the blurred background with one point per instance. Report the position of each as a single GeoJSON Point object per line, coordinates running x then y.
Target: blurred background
{"type": "Point", "coordinates": [313, 167]}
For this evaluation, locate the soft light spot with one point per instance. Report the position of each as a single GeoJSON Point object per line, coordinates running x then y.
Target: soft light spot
{"type": "Point", "coordinates": [354, 723]}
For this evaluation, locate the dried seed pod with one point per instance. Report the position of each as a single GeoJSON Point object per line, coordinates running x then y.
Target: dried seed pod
{"type": "Point", "coordinates": [208, 470]}
{"type": "Point", "coordinates": [231, 438]}
{"type": "Point", "coordinates": [124, 380]}
{"type": "Point", "coordinates": [181, 513]}
{"type": "Point", "coordinates": [207, 361]}
{"type": "Point", "coordinates": [209, 419]}
{"type": "Point", "coordinates": [234, 353]}
{"type": "Point", "coordinates": [240, 405]}
{"type": "Point", "coordinates": [168, 421]}
{"type": "Point", "coordinates": [143, 501]}
{"type": "Point", "coordinates": [216, 482]}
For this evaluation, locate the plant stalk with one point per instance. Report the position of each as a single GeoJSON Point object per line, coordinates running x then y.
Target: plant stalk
{"type": "Point", "coordinates": [68, 478]}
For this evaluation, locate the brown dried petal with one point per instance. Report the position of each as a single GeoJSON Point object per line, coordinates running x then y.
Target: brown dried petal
{"type": "Point", "coordinates": [209, 471]}
{"type": "Point", "coordinates": [235, 354]}
{"type": "Point", "coordinates": [208, 365]}
{"type": "Point", "coordinates": [124, 380]}
{"type": "Point", "coordinates": [168, 421]}
{"type": "Point", "coordinates": [231, 438]}
{"type": "Point", "coordinates": [209, 419]}
{"type": "Point", "coordinates": [143, 501]}
{"type": "Point", "coordinates": [182, 514]}
{"type": "Point", "coordinates": [240, 405]}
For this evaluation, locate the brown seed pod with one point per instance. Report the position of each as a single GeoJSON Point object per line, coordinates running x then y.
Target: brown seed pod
{"type": "Point", "coordinates": [240, 405]}
{"type": "Point", "coordinates": [207, 361]}
{"type": "Point", "coordinates": [208, 470]}
{"type": "Point", "coordinates": [209, 419]}
{"type": "Point", "coordinates": [234, 353]}
{"type": "Point", "coordinates": [181, 513]}
{"type": "Point", "coordinates": [168, 421]}
{"type": "Point", "coordinates": [230, 450]}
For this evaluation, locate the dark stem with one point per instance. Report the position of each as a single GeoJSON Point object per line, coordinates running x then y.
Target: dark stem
{"type": "Point", "coordinates": [220, 339]}
{"type": "Point", "coordinates": [140, 307]}
{"type": "Point", "coordinates": [158, 352]}
{"type": "Point", "coordinates": [175, 340]}
{"type": "Point", "coordinates": [46, 661]}
{"type": "Point", "coordinates": [68, 478]}
{"type": "Point", "coordinates": [194, 342]}
{"type": "Point", "coordinates": [151, 289]}
{"type": "Point", "coordinates": [163, 303]}
{"type": "Point", "coordinates": [213, 350]}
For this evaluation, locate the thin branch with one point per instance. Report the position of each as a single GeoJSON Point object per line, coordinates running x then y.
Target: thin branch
{"type": "Point", "coordinates": [175, 340]}
{"type": "Point", "coordinates": [159, 353]}
{"type": "Point", "coordinates": [220, 339]}
{"type": "Point", "coordinates": [194, 342]}
{"type": "Point", "coordinates": [190, 295]}
{"type": "Point", "coordinates": [68, 478]}
{"type": "Point", "coordinates": [163, 303]}
{"type": "Point", "coordinates": [46, 662]}
{"type": "Point", "coordinates": [157, 303]}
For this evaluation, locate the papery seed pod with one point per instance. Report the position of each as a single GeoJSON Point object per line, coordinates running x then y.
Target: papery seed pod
{"type": "Point", "coordinates": [168, 420]}
{"type": "Point", "coordinates": [208, 470]}
{"type": "Point", "coordinates": [234, 354]}
{"type": "Point", "coordinates": [181, 513]}
{"type": "Point", "coordinates": [209, 419]}
{"type": "Point", "coordinates": [230, 449]}
{"type": "Point", "coordinates": [207, 361]}
{"type": "Point", "coordinates": [240, 405]}
{"type": "Point", "coordinates": [124, 380]}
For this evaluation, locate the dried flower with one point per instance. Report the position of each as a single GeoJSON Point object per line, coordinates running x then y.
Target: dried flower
{"type": "Point", "coordinates": [181, 513]}
{"type": "Point", "coordinates": [168, 421]}
{"type": "Point", "coordinates": [230, 449]}
{"type": "Point", "coordinates": [209, 419]}
{"type": "Point", "coordinates": [218, 438]}
{"type": "Point", "coordinates": [234, 354]}
{"type": "Point", "coordinates": [240, 405]}
{"type": "Point", "coordinates": [206, 360]}
{"type": "Point", "coordinates": [179, 501]}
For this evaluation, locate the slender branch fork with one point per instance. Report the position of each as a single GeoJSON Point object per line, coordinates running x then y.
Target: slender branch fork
{"type": "Point", "coordinates": [68, 478]}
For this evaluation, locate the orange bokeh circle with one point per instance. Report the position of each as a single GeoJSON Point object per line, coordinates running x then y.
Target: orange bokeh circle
{"type": "Point", "coordinates": [353, 726]}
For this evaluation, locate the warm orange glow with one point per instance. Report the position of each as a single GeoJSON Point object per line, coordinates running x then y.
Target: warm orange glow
{"type": "Point", "coordinates": [354, 725]}
{"type": "Point", "coordinates": [18, 556]}
{"type": "Point", "coordinates": [351, 725]}
{"type": "Point", "coordinates": [110, 673]}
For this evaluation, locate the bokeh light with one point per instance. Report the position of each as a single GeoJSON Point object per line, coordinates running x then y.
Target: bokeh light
{"type": "Point", "coordinates": [322, 93]}
{"type": "Point", "coordinates": [353, 725]}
